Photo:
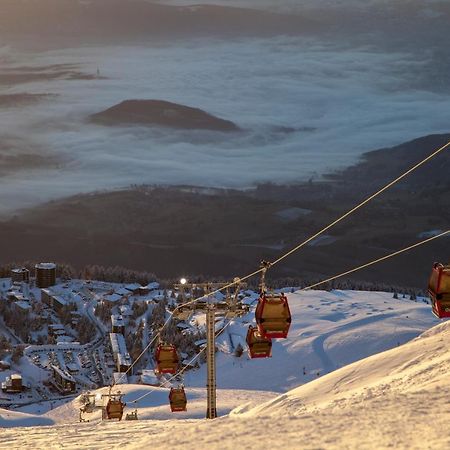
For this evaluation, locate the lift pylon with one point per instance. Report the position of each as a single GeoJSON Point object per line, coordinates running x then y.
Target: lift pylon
{"type": "Point", "coordinates": [211, 409]}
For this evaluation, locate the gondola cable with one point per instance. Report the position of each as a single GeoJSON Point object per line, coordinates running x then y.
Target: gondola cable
{"type": "Point", "coordinates": [312, 286]}
{"type": "Point", "coordinates": [298, 247]}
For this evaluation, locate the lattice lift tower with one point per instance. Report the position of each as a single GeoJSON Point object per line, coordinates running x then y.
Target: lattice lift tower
{"type": "Point", "coordinates": [211, 409]}
{"type": "Point", "coordinates": [231, 308]}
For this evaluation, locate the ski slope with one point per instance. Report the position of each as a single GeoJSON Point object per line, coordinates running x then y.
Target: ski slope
{"type": "Point", "coordinates": [395, 399]}
{"type": "Point", "coordinates": [328, 331]}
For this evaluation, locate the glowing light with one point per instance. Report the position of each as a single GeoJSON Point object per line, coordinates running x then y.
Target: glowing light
{"type": "Point", "coordinates": [183, 281]}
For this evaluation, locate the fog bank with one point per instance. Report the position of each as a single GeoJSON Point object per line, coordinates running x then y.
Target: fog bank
{"type": "Point", "coordinates": [306, 108]}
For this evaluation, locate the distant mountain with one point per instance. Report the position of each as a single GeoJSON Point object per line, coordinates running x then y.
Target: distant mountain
{"type": "Point", "coordinates": [109, 20]}
{"type": "Point", "coordinates": [221, 233]}
{"type": "Point", "coordinates": [380, 166]}
{"type": "Point", "coordinates": [161, 113]}
{"type": "Point", "coordinates": [414, 23]}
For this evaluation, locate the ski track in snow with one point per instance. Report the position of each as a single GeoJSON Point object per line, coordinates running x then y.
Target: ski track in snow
{"type": "Point", "coordinates": [318, 343]}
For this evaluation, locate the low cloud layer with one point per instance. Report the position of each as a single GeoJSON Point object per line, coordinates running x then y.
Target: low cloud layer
{"type": "Point", "coordinates": [306, 108]}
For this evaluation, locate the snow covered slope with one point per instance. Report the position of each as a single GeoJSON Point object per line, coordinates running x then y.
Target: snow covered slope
{"type": "Point", "coordinates": [156, 405]}
{"type": "Point", "coordinates": [328, 331]}
{"type": "Point", "coordinates": [396, 399]}
{"type": "Point", "coordinates": [17, 419]}
{"type": "Point", "coordinates": [363, 405]}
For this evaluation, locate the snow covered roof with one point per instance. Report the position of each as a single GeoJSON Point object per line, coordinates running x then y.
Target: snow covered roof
{"type": "Point", "coordinates": [60, 300]}
{"type": "Point", "coordinates": [117, 320]}
{"type": "Point", "coordinates": [122, 291]}
{"type": "Point", "coordinates": [21, 270]}
{"type": "Point", "coordinates": [112, 298]}
{"type": "Point", "coordinates": [153, 285]}
{"type": "Point", "coordinates": [249, 300]}
{"type": "Point", "coordinates": [76, 298]}
{"type": "Point", "coordinates": [148, 377]}
{"type": "Point", "coordinates": [62, 373]}
{"type": "Point", "coordinates": [72, 367]}
{"type": "Point", "coordinates": [19, 296]}
{"type": "Point", "coordinates": [118, 344]}
{"type": "Point", "coordinates": [120, 378]}
{"type": "Point", "coordinates": [133, 286]}
{"type": "Point", "coordinates": [23, 305]}
{"type": "Point", "coordinates": [124, 359]}
{"type": "Point", "coordinates": [64, 338]}
{"type": "Point", "coordinates": [46, 266]}
{"type": "Point", "coordinates": [219, 296]}
{"type": "Point", "coordinates": [125, 310]}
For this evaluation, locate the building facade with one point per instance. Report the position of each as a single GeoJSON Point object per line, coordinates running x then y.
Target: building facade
{"type": "Point", "coordinates": [20, 275]}
{"type": "Point", "coordinates": [45, 275]}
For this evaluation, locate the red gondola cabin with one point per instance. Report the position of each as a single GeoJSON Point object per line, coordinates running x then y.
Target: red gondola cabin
{"type": "Point", "coordinates": [273, 316]}
{"type": "Point", "coordinates": [178, 400]}
{"type": "Point", "coordinates": [439, 290]}
{"type": "Point", "coordinates": [166, 357]}
{"type": "Point", "coordinates": [258, 346]}
{"type": "Point", "coordinates": [114, 408]}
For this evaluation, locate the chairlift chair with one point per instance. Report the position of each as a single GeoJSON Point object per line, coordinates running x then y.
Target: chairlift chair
{"type": "Point", "coordinates": [132, 415]}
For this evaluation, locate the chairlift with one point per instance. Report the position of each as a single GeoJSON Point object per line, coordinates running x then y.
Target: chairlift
{"type": "Point", "coordinates": [132, 415]}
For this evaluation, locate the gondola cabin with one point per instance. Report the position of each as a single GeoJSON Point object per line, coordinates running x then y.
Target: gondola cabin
{"type": "Point", "coordinates": [166, 358]}
{"type": "Point", "coordinates": [178, 400]}
{"type": "Point", "coordinates": [114, 408]}
{"type": "Point", "coordinates": [258, 346]}
{"type": "Point", "coordinates": [439, 290]}
{"type": "Point", "coordinates": [273, 316]}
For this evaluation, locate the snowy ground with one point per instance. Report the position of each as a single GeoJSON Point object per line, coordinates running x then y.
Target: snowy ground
{"type": "Point", "coordinates": [393, 399]}
{"type": "Point", "coordinates": [396, 399]}
{"type": "Point", "coordinates": [328, 331]}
